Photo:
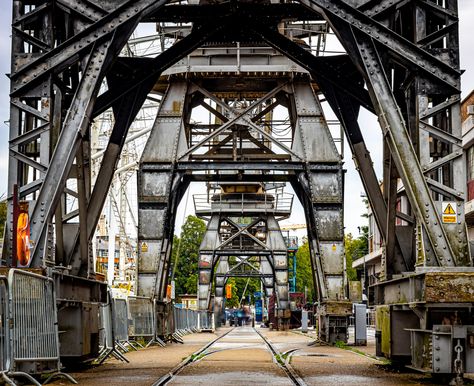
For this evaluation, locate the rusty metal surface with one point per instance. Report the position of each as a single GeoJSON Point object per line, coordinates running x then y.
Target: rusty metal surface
{"type": "Point", "coordinates": [39, 271]}
{"type": "Point", "coordinates": [447, 287]}
{"type": "Point", "coordinates": [336, 308]}
{"type": "Point", "coordinates": [427, 287]}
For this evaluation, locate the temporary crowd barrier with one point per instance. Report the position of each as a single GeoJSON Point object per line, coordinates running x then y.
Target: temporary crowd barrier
{"type": "Point", "coordinates": [164, 322]}
{"type": "Point", "coordinates": [142, 319]}
{"type": "Point", "coordinates": [138, 321]}
{"type": "Point", "coordinates": [29, 340]}
{"type": "Point", "coordinates": [4, 348]}
{"type": "Point", "coordinates": [29, 329]}
{"type": "Point", "coordinates": [120, 324]}
{"type": "Point", "coordinates": [108, 333]}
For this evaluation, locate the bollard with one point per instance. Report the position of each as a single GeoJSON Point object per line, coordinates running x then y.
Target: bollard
{"type": "Point", "coordinates": [360, 328]}
{"type": "Point", "coordinates": [304, 321]}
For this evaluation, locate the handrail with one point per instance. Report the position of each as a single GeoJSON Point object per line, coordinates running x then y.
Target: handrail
{"type": "Point", "coordinates": [281, 202]}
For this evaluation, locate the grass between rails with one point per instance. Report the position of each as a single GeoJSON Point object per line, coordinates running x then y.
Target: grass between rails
{"type": "Point", "coordinates": [281, 358]}
{"type": "Point", "coordinates": [196, 357]}
{"type": "Point", "coordinates": [345, 346]}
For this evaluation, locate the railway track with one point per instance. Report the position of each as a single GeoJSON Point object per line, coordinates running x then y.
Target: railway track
{"type": "Point", "coordinates": [165, 379]}
{"type": "Point", "coordinates": [281, 360]}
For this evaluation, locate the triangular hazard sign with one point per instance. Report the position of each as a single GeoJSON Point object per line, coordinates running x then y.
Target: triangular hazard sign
{"type": "Point", "coordinates": [449, 210]}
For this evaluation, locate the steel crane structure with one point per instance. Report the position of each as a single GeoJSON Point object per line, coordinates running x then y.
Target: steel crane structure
{"type": "Point", "coordinates": [239, 60]}
{"type": "Point", "coordinates": [243, 239]}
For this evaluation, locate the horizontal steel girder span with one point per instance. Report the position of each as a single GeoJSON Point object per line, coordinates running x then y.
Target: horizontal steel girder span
{"type": "Point", "coordinates": [242, 252]}
{"type": "Point", "coordinates": [244, 274]}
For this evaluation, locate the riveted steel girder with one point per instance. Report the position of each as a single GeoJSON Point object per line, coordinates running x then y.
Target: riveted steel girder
{"type": "Point", "coordinates": [324, 192]}
{"type": "Point", "coordinates": [61, 56]}
{"type": "Point", "coordinates": [402, 50]}
{"type": "Point", "coordinates": [404, 155]}
{"type": "Point", "coordinates": [159, 192]}
{"type": "Point", "coordinates": [75, 125]}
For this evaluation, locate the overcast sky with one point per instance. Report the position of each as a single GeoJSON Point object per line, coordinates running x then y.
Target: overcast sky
{"type": "Point", "coordinates": [354, 206]}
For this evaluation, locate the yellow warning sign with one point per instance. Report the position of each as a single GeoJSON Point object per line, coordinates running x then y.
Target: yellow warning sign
{"type": "Point", "coordinates": [448, 212]}
{"type": "Point", "coordinates": [144, 247]}
{"type": "Point", "coordinates": [449, 209]}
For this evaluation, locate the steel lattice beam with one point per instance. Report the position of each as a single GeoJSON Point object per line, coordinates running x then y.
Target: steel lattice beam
{"type": "Point", "coordinates": [402, 50]}
{"type": "Point", "coordinates": [73, 49]}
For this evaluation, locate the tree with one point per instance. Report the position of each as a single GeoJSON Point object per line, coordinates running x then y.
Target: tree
{"type": "Point", "coordinates": [187, 249]}
{"type": "Point", "coordinates": [304, 272]}
{"type": "Point", "coordinates": [238, 285]}
{"type": "Point", "coordinates": [355, 248]}
{"type": "Point", "coordinates": [233, 302]}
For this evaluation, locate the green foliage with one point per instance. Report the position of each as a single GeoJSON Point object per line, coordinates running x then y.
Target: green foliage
{"type": "Point", "coordinates": [355, 248]}
{"type": "Point", "coordinates": [279, 358]}
{"type": "Point", "coordinates": [187, 249]}
{"type": "Point", "coordinates": [234, 300]}
{"type": "Point", "coordinates": [238, 286]}
{"type": "Point", "coordinates": [304, 272]}
{"type": "Point", "coordinates": [340, 344]}
{"type": "Point", "coordinates": [174, 254]}
{"type": "Point", "coordinates": [3, 217]}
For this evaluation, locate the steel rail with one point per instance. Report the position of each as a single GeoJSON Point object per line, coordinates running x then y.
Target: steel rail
{"type": "Point", "coordinates": [285, 365]}
{"type": "Point", "coordinates": [165, 379]}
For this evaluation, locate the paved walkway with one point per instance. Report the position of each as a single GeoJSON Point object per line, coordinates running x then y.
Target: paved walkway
{"type": "Point", "coordinates": [146, 365]}
{"type": "Point", "coordinates": [242, 358]}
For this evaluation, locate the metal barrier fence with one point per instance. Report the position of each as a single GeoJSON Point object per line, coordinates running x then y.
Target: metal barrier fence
{"type": "Point", "coordinates": [120, 318]}
{"type": "Point", "coordinates": [32, 332]}
{"type": "Point", "coordinates": [192, 319]}
{"type": "Point", "coordinates": [164, 321]}
{"type": "Point", "coordinates": [124, 322]}
{"type": "Point", "coordinates": [105, 331]}
{"type": "Point", "coordinates": [108, 322]}
{"type": "Point", "coordinates": [121, 323]}
{"type": "Point", "coordinates": [29, 341]}
{"type": "Point", "coordinates": [185, 320]}
{"type": "Point", "coordinates": [205, 321]}
{"type": "Point", "coordinates": [4, 351]}
{"type": "Point", "coordinates": [141, 318]}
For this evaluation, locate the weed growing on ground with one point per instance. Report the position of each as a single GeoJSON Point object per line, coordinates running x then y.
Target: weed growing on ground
{"type": "Point", "coordinates": [341, 344]}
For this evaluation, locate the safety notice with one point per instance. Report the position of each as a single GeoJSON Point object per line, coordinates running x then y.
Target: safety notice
{"type": "Point", "coordinates": [449, 212]}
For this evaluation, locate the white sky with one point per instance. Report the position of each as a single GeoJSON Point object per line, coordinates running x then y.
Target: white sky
{"type": "Point", "coordinates": [354, 206]}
